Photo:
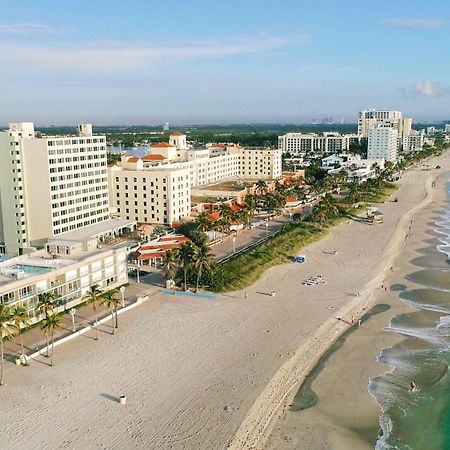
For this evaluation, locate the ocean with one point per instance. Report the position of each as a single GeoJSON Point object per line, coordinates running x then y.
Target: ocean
{"type": "Point", "coordinates": [419, 418]}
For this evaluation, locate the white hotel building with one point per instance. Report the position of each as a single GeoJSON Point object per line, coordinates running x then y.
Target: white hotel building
{"type": "Point", "coordinates": [156, 188]}
{"type": "Point", "coordinates": [382, 143]}
{"type": "Point", "coordinates": [49, 185]}
{"type": "Point", "coordinates": [300, 143]}
{"type": "Point", "coordinates": [371, 118]}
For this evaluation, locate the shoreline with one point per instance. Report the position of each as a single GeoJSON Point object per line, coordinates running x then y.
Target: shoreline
{"type": "Point", "coordinates": [257, 427]}
{"type": "Point", "coordinates": [192, 368]}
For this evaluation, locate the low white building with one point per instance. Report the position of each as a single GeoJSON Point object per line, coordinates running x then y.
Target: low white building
{"type": "Point", "coordinates": [298, 143]}
{"type": "Point", "coordinates": [413, 143]}
{"type": "Point", "coordinates": [358, 169]}
{"type": "Point", "coordinates": [67, 275]}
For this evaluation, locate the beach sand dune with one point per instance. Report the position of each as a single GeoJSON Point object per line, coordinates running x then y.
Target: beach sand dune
{"type": "Point", "coordinates": [197, 371]}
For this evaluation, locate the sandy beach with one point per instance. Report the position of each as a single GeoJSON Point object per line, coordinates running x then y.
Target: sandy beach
{"type": "Point", "coordinates": [345, 414]}
{"type": "Point", "coordinates": [211, 373]}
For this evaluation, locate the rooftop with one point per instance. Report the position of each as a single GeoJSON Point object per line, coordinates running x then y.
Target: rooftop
{"type": "Point", "coordinates": [95, 230]}
{"type": "Point", "coordinates": [162, 145]}
{"type": "Point", "coordinates": [27, 266]}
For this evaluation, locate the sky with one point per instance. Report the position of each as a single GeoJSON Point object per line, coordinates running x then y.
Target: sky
{"type": "Point", "coordinates": [235, 61]}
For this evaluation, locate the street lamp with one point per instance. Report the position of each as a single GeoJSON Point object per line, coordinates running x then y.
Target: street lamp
{"type": "Point", "coordinates": [234, 244]}
{"type": "Point", "coordinates": [72, 313]}
{"type": "Point", "coordinates": [137, 276]}
{"type": "Point", "coordinates": [122, 293]}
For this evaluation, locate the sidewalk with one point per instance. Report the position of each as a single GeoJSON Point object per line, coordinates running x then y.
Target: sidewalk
{"type": "Point", "coordinates": [34, 338]}
{"type": "Point", "coordinates": [247, 237]}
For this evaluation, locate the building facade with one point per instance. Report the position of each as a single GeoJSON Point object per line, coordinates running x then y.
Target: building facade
{"type": "Point", "coordinates": [298, 143]}
{"type": "Point", "coordinates": [149, 193]}
{"type": "Point", "coordinates": [49, 185]}
{"type": "Point", "coordinates": [369, 119]}
{"type": "Point", "coordinates": [69, 277]}
{"type": "Point", "coordinates": [413, 143]}
{"type": "Point", "coordinates": [156, 188]}
{"type": "Point", "coordinates": [382, 143]}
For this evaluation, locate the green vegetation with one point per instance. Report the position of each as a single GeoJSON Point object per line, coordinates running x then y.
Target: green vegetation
{"type": "Point", "coordinates": [247, 267]}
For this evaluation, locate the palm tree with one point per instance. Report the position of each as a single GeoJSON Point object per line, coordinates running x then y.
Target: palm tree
{"type": "Point", "coordinates": [46, 306]}
{"type": "Point", "coordinates": [202, 260]}
{"type": "Point", "coordinates": [226, 213]}
{"type": "Point", "coordinates": [203, 223]}
{"type": "Point", "coordinates": [21, 319]}
{"type": "Point", "coordinates": [186, 253]}
{"type": "Point", "coordinates": [48, 326]}
{"type": "Point", "coordinates": [94, 297]}
{"type": "Point", "coordinates": [8, 329]}
{"type": "Point", "coordinates": [170, 263]}
{"type": "Point", "coordinates": [261, 187]}
{"type": "Point", "coordinates": [111, 301]}
{"type": "Point", "coordinates": [354, 192]}
{"type": "Point", "coordinates": [46, 303]}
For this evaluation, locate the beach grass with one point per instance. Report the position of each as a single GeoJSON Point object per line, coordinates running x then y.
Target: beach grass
{"type": "Point", "coordinates": [243, 270]}
{"type": "Point", "coordinates": [246, 268]}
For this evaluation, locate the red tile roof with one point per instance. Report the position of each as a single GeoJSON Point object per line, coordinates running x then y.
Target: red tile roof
{"type": "Point", "coordinates": [173, 238]}
{"type": "Point", "coordinates": [162, 145]}
{"type": "Point", "coordinates": [289, 199]}
{"type": "Point", "coordinates": [235, 208]}
{"type": "Point", "coordinates": [133, 159]}
{"type": "Point", "coordinates": [214, 216]}
{"type": "Point", "coordinates": [148, 256]}
{"type": "Point", "coordinates": [178, 133]}
{"type": "Point", "coordinates": [153, 157]}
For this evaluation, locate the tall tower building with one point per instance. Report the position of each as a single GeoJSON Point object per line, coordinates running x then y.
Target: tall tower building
{"type": "Point", "coordinates": [382, 143]}
{"type": "Point", "coordinates": [49, 185]}
{"type": "Point", "coordinates": [393, 119]}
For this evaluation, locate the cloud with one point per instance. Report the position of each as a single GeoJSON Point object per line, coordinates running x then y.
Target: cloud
{"type": "Point", "coordinates": [26, 28]}
{"type": "Point", "coordinates": [414, 23]}
{"type": "Point", "coordinates": [125, 56]}
{"type": "Point", "coordinates": [426, 88]}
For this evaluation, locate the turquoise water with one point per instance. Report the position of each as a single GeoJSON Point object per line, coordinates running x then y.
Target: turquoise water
{"type": "Point", "coordinates": [33, 270]}
{"type": "Point", "coordinates": [420, 420]}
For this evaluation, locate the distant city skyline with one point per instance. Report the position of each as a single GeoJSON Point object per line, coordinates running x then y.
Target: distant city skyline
{"type": "Point", "coordinates": [292, 61]}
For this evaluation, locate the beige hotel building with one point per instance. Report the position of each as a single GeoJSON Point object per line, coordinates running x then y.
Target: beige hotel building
{"type": "Point", "coordinates": [156, 188]}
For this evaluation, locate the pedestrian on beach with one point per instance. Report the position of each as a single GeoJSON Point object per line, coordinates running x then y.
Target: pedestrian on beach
{"type": "Point", "coordinates": [245, 294]}
{"type": "Point", "coordinates": [359, 322]}
{"type": "Point", "coordinates": [353, 320]}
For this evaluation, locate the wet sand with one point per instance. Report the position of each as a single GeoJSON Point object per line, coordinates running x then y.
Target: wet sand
{"type": "Point", "coordinates": [345, 415]}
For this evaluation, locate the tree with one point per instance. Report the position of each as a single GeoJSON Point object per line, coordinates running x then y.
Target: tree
{"type": "Point", "coordinates": [354, 192]}
{"type": "Point", "coordinates": [46, 306]}
{"type": "Point", "coordinates": [171, 262]}
{"type": "Point", "coordinates": [21, 319]}
{"type": "Point", "coordinates": [94, 297]}
{"type": "Point", "coordinates": [111, 301]}
{"type": "Point", "coordinates": [8, 329]}
{"type": "Point", "coordinates": [46, 303]}
{"type": "Point", "coordinates": [202, 260]}
{"type": "Point", "coordinates": [203, 223]}
{"type": "Point", "coordinates": [48, 326]}
{"type": "Point", "coordinates": [225, 213]}
{"type": "Point", "coordinates": [186, 254]}
{"type": "Point", "coordinates": [261, 187]}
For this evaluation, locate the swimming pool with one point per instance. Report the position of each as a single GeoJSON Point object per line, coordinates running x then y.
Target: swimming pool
{"type": "Point", "coordinates": [32, 270]}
